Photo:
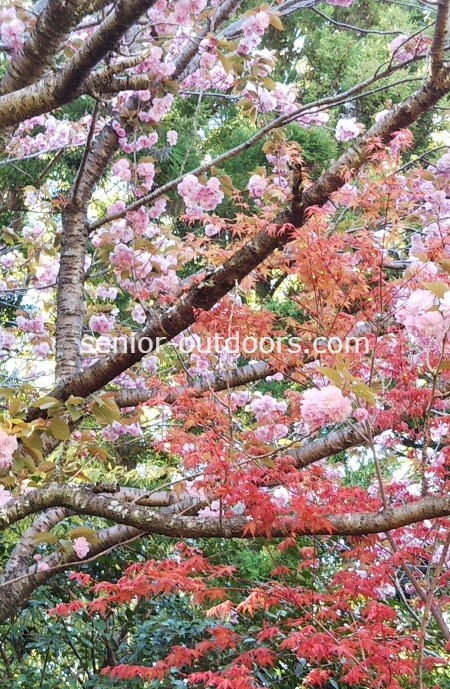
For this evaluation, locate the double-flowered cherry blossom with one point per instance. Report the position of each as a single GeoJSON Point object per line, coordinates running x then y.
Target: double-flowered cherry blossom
{"type": "Point", "coordinates": [8, 445]}
{"type": "Point", "coordinates": [323, 407]}
{"type": "Point", "coordinates": [348, 128]}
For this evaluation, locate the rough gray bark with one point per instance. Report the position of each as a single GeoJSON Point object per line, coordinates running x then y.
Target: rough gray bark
{"type": "Point", "coordinates": [83, 500]}
{"type": "Point", "coordinates": [53, 25]}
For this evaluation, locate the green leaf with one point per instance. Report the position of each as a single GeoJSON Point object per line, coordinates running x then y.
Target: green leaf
{"type": "Point", "coordinates": [331, 374]}
{"type": "Point", "coordinates": [276, 22]}
{"type": "Point", "coordinates": [436, 288]}
{"type": "Point", "coordinates": [46, 403]}
{"type": "Point", "coordinates": [83, 532]}
{"type": "Point", "coordinates": [33, 441]}
{"type": "Point", "coordinates": [106, 410]}
{"type": "Point", "coordinates": [60, 429]}
{"type": "Point", "coordinates": [44, 538]}
{"type": "Point", "coordinates": [363, 391]}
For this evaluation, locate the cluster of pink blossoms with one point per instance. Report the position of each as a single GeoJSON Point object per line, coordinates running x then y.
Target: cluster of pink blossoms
{"type": "Point", "coordinates": [324, 407]}
{"type": "Point", "coordinates": [266, 406]}
{"type": "Point", "coordinates": [271, 433]}
{"type": "Point", "coordinates": [146, 170]}
{"type": "Point", "coordinates": [313, 118]}
{"type": "Point", "coordinates": [8, 445]}
{"type": "Point", "coordinates": [159, 108]}
{"type": "Point", "coordinates": [200, 197]}
{"type": "Point", "coordinates": [424, 315]}
{"type": "Point", "coordinates": [347, 129]}
{"type": "Point", "coordinates": [257, 185]}
{"type": "Point", "coordinates": [81, 547]}
{"type": "Point", "coordinates": [101, 324]}
{"type": "Point", "coordinates": [57, 134]}
{"type": "Point", "coordinates": [12, 29]}
{"type": "Point", "coordinates": [154, 65]}
{"type": "Point", "coordinates": [281, 98]}
{"type": "Point", "coordinates": [184, 9]}
{"type": "Point", "coordinates": [404, 48]}
{"type": "Point", "coordinates": [116, 430]}
{"type": "Point", "coordinates": [253, 29]}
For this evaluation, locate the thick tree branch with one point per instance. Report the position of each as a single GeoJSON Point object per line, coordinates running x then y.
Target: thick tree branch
{"type": "Point", "coordinates": [16, 590]}
{"type": "Point", "coordinates": [70, 297]}
{"type": "Point", "coordinates": [53, 26]}
{"type": "Point", "coordinates": [20, 580]}
{"type": "Point", "coordinates": [440, 36]}
{"type": "Point", "coordinates": [63, 87]}
{"type": "Point", "coordinates": [331, 444]}
{"type": "Point", "coordinates": [18, 562]}
{"type": "Point", "coordinates": [233, 379]}
{"type": "Point", "coordinates": [82, 500]}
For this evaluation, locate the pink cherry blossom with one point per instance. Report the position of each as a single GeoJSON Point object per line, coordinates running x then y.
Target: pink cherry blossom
{"type": "Point", "coordinates": [122, 257]}
{"type": "Point", "coordinates": [160, 107]}
{"type": "Point", "coordinates": [5, 496]}
{"type": "Point", "coordinates": [7, 340]}
{"type": "Point", "coordinates": [158, 208]}
{"type": "Point", "coordinates": [31, 325]}
{"type": "Point", "coordinates": [323, 407]}
{"type": "Point", "coordinates": [257, 185]}
{"type": "Point", "coordinates": [281, 496]}
{"type": "Point", "coordinates": [105, 292]}
{"type": "Point", "coordinates": [200, 366]}
{"type": "Point", "coordinates": [347, 129]}
{"type": "Point", "coordinates": [41, 565]}
{"type": "Point", "coordinates": [138, 314]}
{"type": "Point", "coordinates": [150, 364]}
{"type": "Point", "coordinates": [272, 432]}
{"type": "Point", "coordinates": [211, 230]}
{"type": "Point", "coordinates": [8, 445]}
{"type": "Point", "coordinates": [239, 399]}
{"type": "Point", "coordinates": [196, 195]}
{"type": "Point", "coordinates": [210, 195]}
{"type": "Point", "coordinates": [12, 29]}
{"type": "Point", "coordinates": [419, 318]}
{"type": "Point", "coordinates": [188, 189]}
{"type": "Point", "coordinates": [41, 350]}
{"type": "Point", "coordinates": [361, 414]}
{"type": "Point", "coordinates": [253, 28]}
{"type": "Point", "coordinates": [101, 324]}
{"type": "Point", "coordinates": [210, 512]}
{"type": "Point", "coordinates": [172, 137]}
{"type": "Point", "coordinates": [121, 169]}
{"type": "Point", "coordinates": [81, 547]}
{"type": "Point", "coordinates": [404, 48]}
{"type": "Point", "coordinates": [266, 406]}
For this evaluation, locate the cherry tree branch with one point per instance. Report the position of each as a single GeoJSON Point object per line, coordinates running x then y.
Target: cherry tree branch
{"type": "Point", "coordinates": [82, 500]}
{"type": "Point", "coordinates": [16, 589]}
{"type": "Point", "coordinates": [165, 325]}
{"type": "Point", "coordinates": [64, 86]}
{"type": "Point", "coordinates": [20, 580]}
{"type": "Point", "coordinates": [333, 443]}
{"type": "Point", "coordinates": [232, 379]}
{"type": "Point", "coordinates": [440, 36]}
{"type": "Point", "coordinates": [18, 561]}
{"type": "Point", "coordinates": [53, 25]}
